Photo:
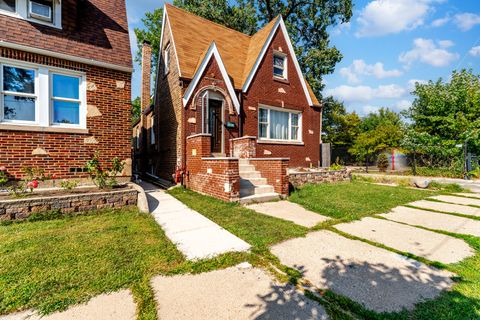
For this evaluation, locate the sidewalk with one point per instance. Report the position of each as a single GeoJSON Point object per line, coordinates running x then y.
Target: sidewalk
{"type": "Point", "coordinates": [195, 236]}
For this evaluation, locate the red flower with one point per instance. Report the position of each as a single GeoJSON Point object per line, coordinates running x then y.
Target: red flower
{"type": "Point", "coordinates": [3, 168]}
{"type": "Point", "coordinates": [32, 184]}
{"type": "Point", "coordinates": [54, 176]}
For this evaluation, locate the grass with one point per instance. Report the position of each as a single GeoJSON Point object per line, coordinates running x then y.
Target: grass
{"type": "Point", "coordinates": [50, 265]}
{"type": "Point", "coordinates": [349, 201]}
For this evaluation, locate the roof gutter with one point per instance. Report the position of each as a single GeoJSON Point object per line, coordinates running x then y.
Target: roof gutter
{"type": "Point", "coordinates": [49, 53]}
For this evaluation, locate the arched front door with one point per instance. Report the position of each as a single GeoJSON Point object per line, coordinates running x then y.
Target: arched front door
{"type": "Point", "coordinates": [212, 122]}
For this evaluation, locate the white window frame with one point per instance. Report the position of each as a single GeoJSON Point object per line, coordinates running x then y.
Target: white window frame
{"type": "Point", "coordinates": [152, 130]}
{"type": "Point", "coordinates": [34, 95]}
{"type": "Point", "coordinates": [166, 59]}
{"type": "Point", "coordinates": [290, 112]}
{"type": "Point", "coordinates": [44, 93]}
{"type": "Point", "coordinates": [282, 55]}
{"type": "Point", "coordinates": [137, 138]}
{"type": "Point", "coordinates": [22, 8]}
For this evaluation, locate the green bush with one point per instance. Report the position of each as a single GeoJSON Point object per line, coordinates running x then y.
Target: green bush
{"type": "Point", "coordinates": [382, 162]}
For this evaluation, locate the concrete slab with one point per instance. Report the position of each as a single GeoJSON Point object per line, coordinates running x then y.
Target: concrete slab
{"type": "Point", "coordinates": [115, 306]}
{"type": "Point", "coordinates": [427, 244]}
{"type": "Point", "coordinates": [233, 293]}
{"type": "Point", "coordinates": [446, 207]}
{"type": "Point", "coordinates": [196, 236]}
{"type": "Point", "coordinates": [469, 195]}
{"type": "Point", "coordinates": [289, 211]}
{"type": "Point", "coordinates": [379, 279]}
{"type": "Point", "coordinates": [458, 200]}
{"type": "Point", "coordinates": [434, 220]}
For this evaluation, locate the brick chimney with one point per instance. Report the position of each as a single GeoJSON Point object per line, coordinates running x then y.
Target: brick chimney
{"type": "Point", "coordinates": [146, 74]}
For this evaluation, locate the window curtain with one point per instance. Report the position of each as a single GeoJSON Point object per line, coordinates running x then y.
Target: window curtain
{"type": "Point", "coordinates": [278, 125]}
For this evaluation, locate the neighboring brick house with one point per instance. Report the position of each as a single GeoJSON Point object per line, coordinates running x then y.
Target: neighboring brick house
{"type": "Point", "coordinates": [65, 85]}
{"type": "Point", "coordinates": [221, 95]}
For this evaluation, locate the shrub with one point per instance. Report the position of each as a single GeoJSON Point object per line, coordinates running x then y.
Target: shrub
{"type": "Point", "coordinates": [335, 167]}
{"type": "Point", "coordinates": [31, 180]}
{"type": "Point", "coordinates": [68, 184]}
{"type": "Point", "coordinates": [101, 177]}
{"type": "Point", "coordinates": [3, 176]}
{"type": "Point", "coordinates": [382, 162]}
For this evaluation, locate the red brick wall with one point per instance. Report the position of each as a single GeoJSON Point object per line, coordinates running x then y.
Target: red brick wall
{"type": "Point", "coordinates": [211, 175]}
{"type": "Point", "coordinates": [243, 147]}
{"type": "Point", "coordinates": [212, 78]}
{"type": "Point", "coordinates": [275, 171]}
{"type": "Point", "coordinates": [111, 129]}
{"type": "Point", "coordinates": [290, 95]}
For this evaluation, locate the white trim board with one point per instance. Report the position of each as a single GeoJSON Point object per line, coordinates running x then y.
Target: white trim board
{"type": "Point", "coordinates": [212, 52]}
{"type": "Point", "coordinates": [261, 56]}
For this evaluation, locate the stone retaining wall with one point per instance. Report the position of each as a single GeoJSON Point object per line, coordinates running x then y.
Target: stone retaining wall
{"type": "Point", "coordinates": [18, 209]}
{"type": "Point", "coordinates": [298, 179]}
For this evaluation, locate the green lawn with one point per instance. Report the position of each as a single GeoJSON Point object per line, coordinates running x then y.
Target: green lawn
{"type": "Point", "coordinates": [353, 200]}
{"type": "Point", "coordinates": [49, 265]}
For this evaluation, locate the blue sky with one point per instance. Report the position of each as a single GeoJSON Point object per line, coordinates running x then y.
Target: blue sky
{"type": "Point", "coordinates": [387, 46]}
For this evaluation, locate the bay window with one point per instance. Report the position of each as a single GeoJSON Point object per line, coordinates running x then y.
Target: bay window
{"type": "Point", "coordinates": [36, 95]}
{"type": "Point", "coordinates": [281, 125]}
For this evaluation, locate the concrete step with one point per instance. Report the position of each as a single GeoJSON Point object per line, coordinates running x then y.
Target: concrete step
{"type": "Point", "coordinates": [252, 181]}
{"type": "Point", "coordinates": [251, 190]}
{"type": "Point", "coordinates": [246, 167]}
{"type": "Point", "coordinates": [242, 161]}
{"type": "Point", "coordinates": [258, 198]}
{"type": "Point", "coordinates": [250, 174]}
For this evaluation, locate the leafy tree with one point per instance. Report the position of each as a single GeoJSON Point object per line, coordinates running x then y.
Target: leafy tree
{"type": "Point", "coordinates": [307, 22]}
{"type": "Point", "coordinates": [339, 127]}
{"type": "Point", "coordinates": [382, 162]}
{"type": "Point", "coordinates": [448, 110]}
{"type": "Point", "coordinates": [136, 109]}
{"type": "Point", "coordinates": [151, 32]}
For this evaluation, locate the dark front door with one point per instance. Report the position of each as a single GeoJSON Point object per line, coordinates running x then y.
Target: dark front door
{"type": "Point", "coordinates": [215, 124]}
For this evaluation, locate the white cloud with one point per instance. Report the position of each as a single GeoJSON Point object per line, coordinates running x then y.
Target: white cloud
{"type": "Point", "coordinates": [341, 27]}
{"type": "Point", "coordinates": [446, 43]}
{"type": "Point", "coordinates": [466, 21]}
{"type": "Point", "coordinates": [380, 17]}
{"type": "Point", "coordinates": [475, 51]}
{"type": "Point", "coordinates": [403, 104]}
{"type": "Point", "coordinates": [426, 51]}
{"type": "Point", "coordinates": [365, 93]}
{"type": "Point", "coordinates": [370, 109]}
{"type": "Point", "coordinates": [133, 41]}
{"type": "Point", "coordinates": [360, 68]}
{"type": "Point", "coordinates": [412, 82]}
{"type": "Point", "coordinates": [440, 22]}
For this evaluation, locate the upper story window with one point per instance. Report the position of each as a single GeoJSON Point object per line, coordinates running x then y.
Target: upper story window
{"type": "Point", "coordinates": [166, 58]}
{"type": "Point", "coordinates": [36, 95]}
{"type": "Point", "coordinates": [280, 125]}
{"type": "Point", "coordinates": [279, 65]}
{"type": "Point", "coordinates": [48, 12]}
{"type": "Point", "coordinates": [152, 130]}
{"type": "Point", "coordinates": [8, 5]}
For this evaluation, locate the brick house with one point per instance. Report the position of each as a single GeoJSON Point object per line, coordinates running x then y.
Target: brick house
{"type": "Point", "coordinates": [231, 111]}
{"type": "Point", "coordinates": [65, 76]}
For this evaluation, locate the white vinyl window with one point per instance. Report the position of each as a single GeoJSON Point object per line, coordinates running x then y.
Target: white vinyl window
{"type": "Point", "coordinates": [47, 12]}
{"type": "Point", "coordinates": [137, 138]}
{"type": "Point", "coordinates": [166, 59]}
{"type": "Point", "coordinates": [279, 65]}
{"type": "Point", "coordinates": [279, 125]}
{"type": "Point", "coordinates": [37, 95]}
{"type": "Point", "coordinates": [152, 130]}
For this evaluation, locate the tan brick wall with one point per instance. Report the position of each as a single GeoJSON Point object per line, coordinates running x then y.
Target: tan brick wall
{"type": "Point", "coordinates": [108, 129]}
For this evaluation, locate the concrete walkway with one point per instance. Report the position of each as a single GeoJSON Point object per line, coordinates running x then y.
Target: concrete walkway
{"type": "Point", "coordinates": [430, 245]}
{"type": "Point", "coordinates": [458, 200]}
{"type": "Point", "coordinates": [289, 211]}
{"type": "Point", "coordinates": [434, 220]}
{"type": "Point", "coordinates": [195, 236]}
{"type": "Point", "coordinates": [446, 207]}
{"type": "Point", "coordinates": [114, 306]}
{"type": "Point", "coordinates": [377, 278]}
{"type": "Point", "coordinates": [233, 293]}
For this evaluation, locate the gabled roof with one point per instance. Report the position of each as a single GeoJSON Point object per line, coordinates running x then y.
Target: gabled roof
{"type": "Point", "coordinates": [193, 35]}
{"type": "Point", "coordinates": [212, 53]}
{"type": "Point", "coordinates": [92, 30]}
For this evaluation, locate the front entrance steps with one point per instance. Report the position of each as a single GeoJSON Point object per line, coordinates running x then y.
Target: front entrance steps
{"type": "Point", "coordinates": [254, 187]}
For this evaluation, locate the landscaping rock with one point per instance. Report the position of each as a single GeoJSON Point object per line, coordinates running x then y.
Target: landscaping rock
{"type": "Point", "coordinates": [421, 183]}
{"type": "Point", "coordinates": [233, 293]}
{"type": "Point", "coordinates": [380, 280]}
{"type": "Point", "coordinates": [427, 244]}
{"type": "Point", "coordinates": [434, 220]}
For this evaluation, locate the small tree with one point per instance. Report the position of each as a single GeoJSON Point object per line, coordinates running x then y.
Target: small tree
{"type": "Point", "coordinates": [382, 162]}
